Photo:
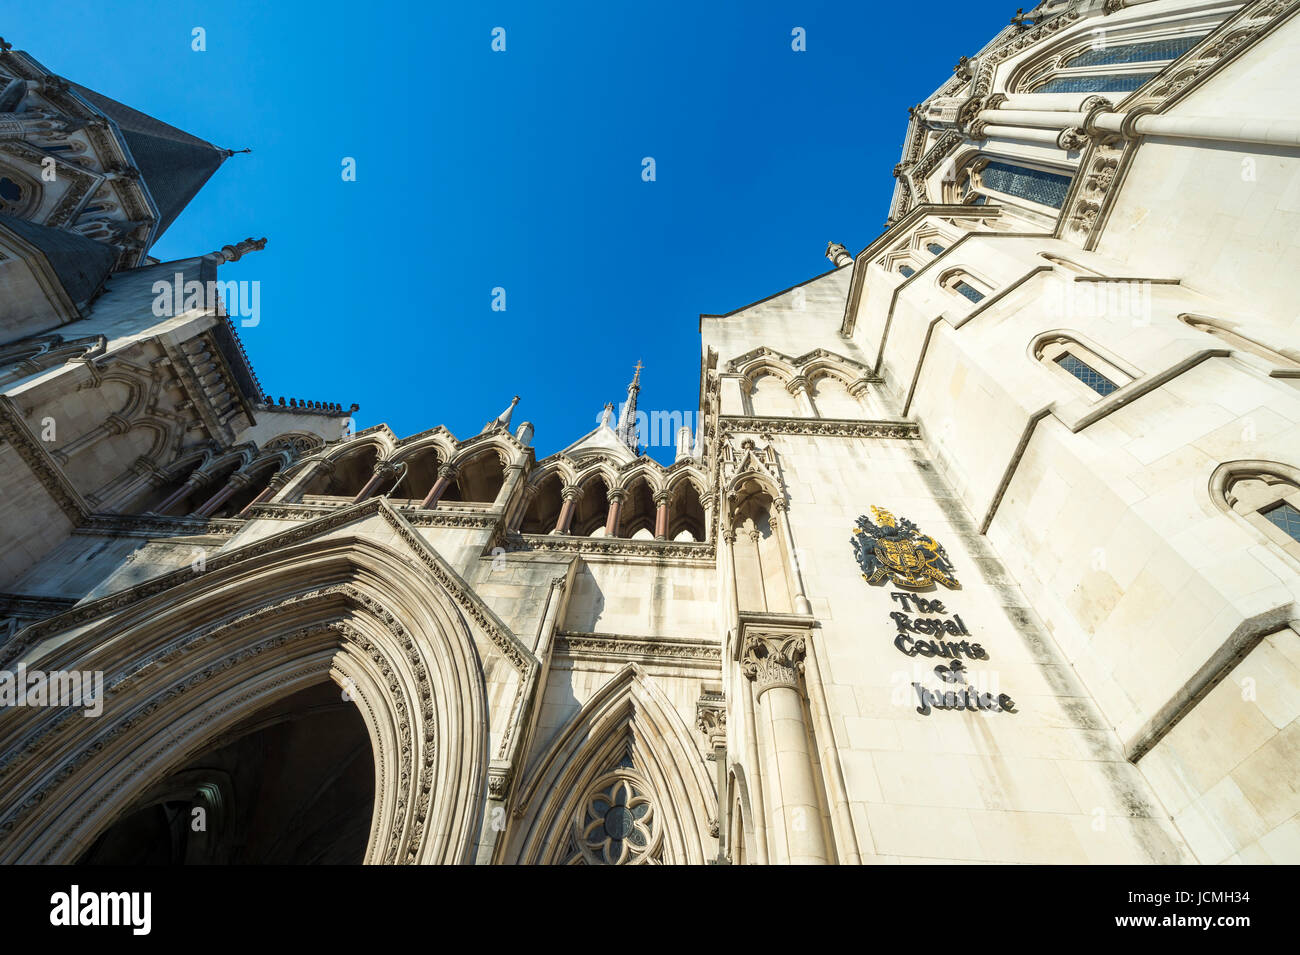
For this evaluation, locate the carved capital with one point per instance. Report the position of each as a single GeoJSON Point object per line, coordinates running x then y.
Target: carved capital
{"type": "Point", "coordinates": [1072, 139]}
{"type": "Point", "coordinates": [498, 782]}
{"type": "Point", "coordinates": [773, 659]}
{"type": "Point", "coordinates": [711, 719]}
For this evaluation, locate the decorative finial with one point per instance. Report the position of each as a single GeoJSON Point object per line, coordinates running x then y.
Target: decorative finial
{"type": "Point", "coordinates": [227, 153]}
{"type": "Point", "coordinates": [838, 255]}
{"type": "Point", "coordinates": [233, 253]}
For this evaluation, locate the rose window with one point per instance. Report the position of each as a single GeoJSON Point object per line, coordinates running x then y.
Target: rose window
{"type": "Point", "coordinates": [617, 823]}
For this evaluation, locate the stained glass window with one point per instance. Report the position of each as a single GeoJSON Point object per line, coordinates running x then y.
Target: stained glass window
{"type": "Point", "coordinates": [1087, 374]}
{"type": "Point", "coordinates": [1170, 48]}
{"type": "Point", "coordinates": [935, 248]}
{"type": "Point", "coordinates": [907, 271]}
{"type": "Point", "coordinates": [969, 291]}
{"type": "Point", "coordinates": [1095, 83]}
{"type": "Point", "coordinates": [1286, 517]}
{"type": "Point", "coordinates": [1048, 188]}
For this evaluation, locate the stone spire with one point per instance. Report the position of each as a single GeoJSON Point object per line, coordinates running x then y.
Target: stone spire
{"type": "Point", "coordinates": [627, 431]}
{"type": "Point", "coordinates": [503, 419]}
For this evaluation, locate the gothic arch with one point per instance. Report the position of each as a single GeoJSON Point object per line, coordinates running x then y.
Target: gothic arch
{"type": "Point", "coordinates": [629, 720]}
{"type": "Point", "coordinates": [741, 845]}
{"type": "Point", "coordinates": [649, 471]}
{"type": "Point", "coordinates": [183, 665]}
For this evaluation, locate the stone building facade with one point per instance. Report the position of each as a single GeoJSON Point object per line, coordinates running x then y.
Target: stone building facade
{"type": "Point", "coordinates": [985, 547]}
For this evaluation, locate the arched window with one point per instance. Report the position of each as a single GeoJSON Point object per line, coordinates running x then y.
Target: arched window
{"type": "Point", "coordinates": [769, 396]}
{"type": "Point", "coordinates": [1021, 182]}
{"type": "Point", "coordinates": [831, 398]}
{"type": "Point", "coordinates": [479, 479]}
{"type": "Point", "coordinates": [686, 514]}
{"type": "Point", "coordinates": [934, 248]}
{"type": "Point", "coordinates": [1264, 493]}
{"type": "Point", "coordinates": [1095, 83]}
{"type": "Point", "coordinates": [543, 511]}
{"type": "Point", "coordinates": [961, 283]}
{"type": "Point", "coordinates": [1148, 51]}
{"type": "Point", "coordinates": [1071, 360]}
{"type": "Point", "coordinates": [343, 476]}
{"type": "Point", "coordinates": [1108, 66]}
{"type": "Point", "coordinates": [907, 271]}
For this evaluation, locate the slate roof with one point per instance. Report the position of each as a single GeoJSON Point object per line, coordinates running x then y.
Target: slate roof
{"type": "Point", "coordinates": [173, 164]}
{"type": "Point", "coordinates": [81, 264]}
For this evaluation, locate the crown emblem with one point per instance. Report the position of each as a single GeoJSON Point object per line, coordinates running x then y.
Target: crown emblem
{"type": "Point", "coordinates": [894, 549]}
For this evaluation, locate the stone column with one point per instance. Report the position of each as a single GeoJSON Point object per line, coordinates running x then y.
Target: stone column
{"type": "Point", "coordinates": [571, 496]}
{"type": "Point", "coordinates": [774, 661]}
{"type": "Point", "coordinates": [384, 471]}
{"type": "Point", "coordinates": [112, 425]}
{"type": "Point", "coordinates": [516, 519]}
{"type": "Point", "coordinates": [237, 482]}
{"type": "Point", "coordinates": [276, 482]}
{"type": "Point", "coordinates": [119, 493]}
{"type": "Point", "coordinates": [616, 496]}
{"type": "Point", "coordinates": [514, 473]}
{"type": "Point", "coordinates": [446, 474]}
{"type": "Point", "coordinates": [661, 516]}
{"type": "Point", "coordinates": [799, 388]}
{"type": "Point", "coordinates": [801, 604]}
{"type": "Point", "coordinates": [711, 720]}
{"type": "Point", "coordinates": [192, 484]}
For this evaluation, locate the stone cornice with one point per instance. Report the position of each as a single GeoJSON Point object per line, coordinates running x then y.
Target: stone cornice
{"type": "Point", "coordinates": [830, 427]}
{"type": "Point", "coordinates": [623, 648]}
{"type": "Point", "coordinates": [14, 431]}
{"type": "Point", "coordinates": [149, 525]}
{"type": "Point", "coordinates": [24, 605]}
{"type": "Point", "coordinates": [679, 551]}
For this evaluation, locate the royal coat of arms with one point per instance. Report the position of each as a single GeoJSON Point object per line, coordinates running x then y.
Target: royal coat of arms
{"type": "Point", "coordinates": [895, 548]}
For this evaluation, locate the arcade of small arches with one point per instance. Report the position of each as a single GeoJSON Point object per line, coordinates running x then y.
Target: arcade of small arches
{"type": "Point", "coordinates": [818, 385]}
{"type": "Point", "coordinates": [645, 502]}
{"type": "Point", "coordinates": [597, 503]}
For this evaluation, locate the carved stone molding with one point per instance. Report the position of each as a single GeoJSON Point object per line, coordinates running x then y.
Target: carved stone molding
{"type": "Point", "coordinates": [829, 427]}
{"type": "Point", "coordinates": [614, 546]}
{"type": "Point", "coordinates": [624, 648]}
{"type": "Point", "coordinates": [711, 718]}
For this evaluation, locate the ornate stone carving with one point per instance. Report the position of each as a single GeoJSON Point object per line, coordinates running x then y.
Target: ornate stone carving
{"type": "Point", "coordinates": [773, 659]}
{"type": "Point", "coordinates": [830, 427]}
{"type": "Point", "coordinates": [1072, 139]}
{"type": "Point", "coordinates": [711, 719]}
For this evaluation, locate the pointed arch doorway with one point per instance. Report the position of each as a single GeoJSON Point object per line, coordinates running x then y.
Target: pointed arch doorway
{"type": "Point", "coordinates": [292, 784]}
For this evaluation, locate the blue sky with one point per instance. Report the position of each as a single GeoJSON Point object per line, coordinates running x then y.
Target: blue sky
{"type": "Point", "coordinates": [519, 170]}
